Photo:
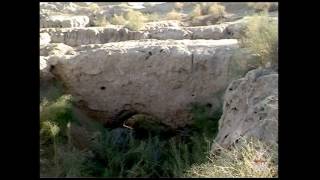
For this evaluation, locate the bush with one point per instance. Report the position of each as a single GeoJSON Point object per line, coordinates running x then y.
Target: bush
{"type": "Point", "coordinates": [174, 15]}
{"type": "Point", "coordinates": [249, 158]}
{"type": "Point", "coordinates": [152, 17]}
{"type": "Point", "coordinates": [216, 10]}
{"type": "Point", "coordinates": [261, 37]}
{"type": "Point", "coordinates": [260, 6]}
{"type": "Point", "coordinates": [118, 20]}
{"type": "Point", "coordinates": [195, 12]}
{"type": "Point", "coordinates": [100, 21]}
{"type": "Point", "coordinates": [135, 20]}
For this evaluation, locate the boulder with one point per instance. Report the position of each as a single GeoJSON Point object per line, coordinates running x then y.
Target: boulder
{"type": "Point", "coordinates": [158, 77]}
{"type": "Point", "coordinates": [250, 109]}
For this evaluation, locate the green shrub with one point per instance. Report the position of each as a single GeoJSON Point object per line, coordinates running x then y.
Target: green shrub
{"type": "Point", "coordinates": [249, 158]}
{"type": "Point", "coordinates": [121, 155]}
{"type": "Point", "coordinates": [261, 37]}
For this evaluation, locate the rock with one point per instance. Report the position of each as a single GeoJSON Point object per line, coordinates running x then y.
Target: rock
{"type": "Point", "coordinates": [208, 32]}
{"type": "Point", "coordinates": [44, 39]}
{"type": "Point", "coordinates": [160, 24]}
{"type": "Point", "coordinates": [250, 109]}
{"type": "Point", "coordinates": [170, 33]}
{"type": "Point", "coordinates": [92, 35]}
{"type": "Point", "coordinates": [163, 8]}
{"type": "Point", "coordinates": [63, 21]}
{"type": "Point", "coordinates": [45, 74]}
{"type": "Point", "coordinates": [158, 77]}
{"type": "Point", "coordinates": [55, 49]}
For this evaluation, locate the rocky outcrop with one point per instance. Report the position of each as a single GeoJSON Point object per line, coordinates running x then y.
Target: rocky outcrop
{"type": "Point", "coordinates": [250, 109]}
{"type": "Point", "coordinates": [92, 35]}
{"type": "Point", "coordinates": [208, 32]}
{"type": "Point", "coordinates": [170, 33]}
{"type": "Point", "coordinates": [160, 30]}
{"type": "Point", "coordinates": [63, 21]}
{"type": "Point", "coordinates": [158, 77]}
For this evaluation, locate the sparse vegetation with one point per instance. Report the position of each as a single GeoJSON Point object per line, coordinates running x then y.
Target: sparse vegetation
{"type": "Point", "coordinates": [196, 11]}
{"type": "Point", "coordinates": [133, 20]}
{"type": "Point", "coordinates": [261, 37]}
{"type": "Point", "coordinates": [260, 6]}
{"type": "Point", "coordinates": [249, 158]}
{"type": "Point", "coordinates": [152, 17]}
{"type": "Point", "coordinates": [100, 21]}
{"type": "Point", "coordinates": [118, 20]}
{"type": "Point", "coordinates": [174, 15]}
{"type": "Point", "coordinates": [216, 10]}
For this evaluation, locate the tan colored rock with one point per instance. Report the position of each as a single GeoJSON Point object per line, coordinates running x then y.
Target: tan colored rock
{"type": "Point", "coordinates": [44, 39]}
{"type": "Point", "coordinates": [55, 49]}
{"type": "Point", "coordinates": [163, 33]}
{"type": "Point", "coordinates": [158, 77]}
{"type": "Point", "coordinates": [250, 109]}
{"type": "Point", "coordinates": [208, 32]}
{"type": "Point", "coordinates": [64, 21]}
{"type": "Point", "coordinates": [92, 35]}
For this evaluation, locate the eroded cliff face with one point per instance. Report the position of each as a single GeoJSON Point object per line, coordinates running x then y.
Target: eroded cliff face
{"type": "Point", "coordinates": [158, 77]}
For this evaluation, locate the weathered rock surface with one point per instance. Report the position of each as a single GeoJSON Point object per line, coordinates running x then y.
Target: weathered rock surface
{"type": "Point", "coordinates": [92, 35]}
{"type": "Point", "coordinates": [45, 74]}
{"type": "Point", "coordinates": [208, 32]}
{"type": "Point", "coordinates": [163, 30]}
{"type": "Point", "coordinates": [170, 33]}
{"type": "Point", "coordinates": [153, 77]}
{"type": "Point", "coordinates": [44, 39]}
{"type": "Point", "coordinates": [63, 21]}
{"type": "Point", "coordinates": [250, 108]}
{"type": "Point", "coordinates": [55, 49]}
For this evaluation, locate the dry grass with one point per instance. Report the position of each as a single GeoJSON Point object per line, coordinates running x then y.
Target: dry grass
{"type": "Point", "coordinates": [174, 15]}
{"type": "Point", "coordinates": [152, 17]}
{"type": "Point", "coordinates": [261, 37]}
{"type": "Point", "coordinates": [133, 20]}
{"type": "Point", "coordinates": [178, 6]}
{"type": "Point", "coordinates": [216, 10]}
{"type": "Point", "coordinates": [118, 20]}
{"type": "Point", "coordinates": [100, 21]}
{"type": "Point", "coordinates": [260, 6]}
{"type": "Point", "coordinates": [249, 158]}
{"type": "Point", "coordinates": [196, 11]}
